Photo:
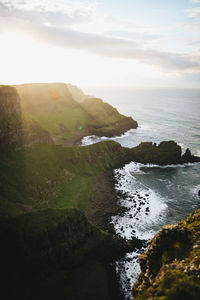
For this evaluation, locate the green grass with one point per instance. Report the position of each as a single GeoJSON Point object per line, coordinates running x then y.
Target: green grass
{"type": "Point", "coordinates": [70, 118]}
{"type": "Point", "coordinates": [44, 176]}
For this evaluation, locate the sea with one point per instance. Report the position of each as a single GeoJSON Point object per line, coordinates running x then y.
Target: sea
{"type": "Point", "coordinates": [153, 195]}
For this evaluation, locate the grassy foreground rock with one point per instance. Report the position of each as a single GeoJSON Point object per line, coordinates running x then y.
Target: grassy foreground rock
{"type": "Point", "coordinates": [171, 264]}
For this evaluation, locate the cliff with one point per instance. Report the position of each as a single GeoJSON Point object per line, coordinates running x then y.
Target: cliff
{"type": "Point", "coordinates": [10, 122]}
{"type": "Point", "coordinates": [58, 109]}
{"type": "Point", "coordinates": [171, 264]}
{"type": "Point", "coordinates": [15, 130]}
{"type": "Point", "coordinates": [108, 120]}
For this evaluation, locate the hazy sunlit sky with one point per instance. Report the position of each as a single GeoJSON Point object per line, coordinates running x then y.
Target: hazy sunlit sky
{"type": "Point", "coordinates": [122, 43]}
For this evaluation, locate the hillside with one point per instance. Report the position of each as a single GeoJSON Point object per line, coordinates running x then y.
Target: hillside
{"type": "Point", "coordinates": [56, 110]}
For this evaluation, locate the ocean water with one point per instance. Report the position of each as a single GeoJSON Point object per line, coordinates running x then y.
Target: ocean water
{"type": "Point", "coordinates": [154, 195]}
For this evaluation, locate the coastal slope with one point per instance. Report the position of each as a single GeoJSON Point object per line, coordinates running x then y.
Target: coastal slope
{"type": "Point", "coordinates": [54, 107]}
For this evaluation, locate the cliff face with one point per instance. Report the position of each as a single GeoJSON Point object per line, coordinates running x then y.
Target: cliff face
{"type": "Point", "coordinates": [15, 130]}
{"type": "Point", "coordinates": [171, 264]}
{"type": "Point", "coordinates": [109, 121]}
{"type": "Point", "coordinates": [11, 120]}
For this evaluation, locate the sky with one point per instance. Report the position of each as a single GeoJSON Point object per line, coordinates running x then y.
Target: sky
{"type": "Point", "coordinates": [105, 43]}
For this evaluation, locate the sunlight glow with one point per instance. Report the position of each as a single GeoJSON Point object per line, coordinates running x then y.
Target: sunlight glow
{"type": "Point", "coordinates": [29, 60]}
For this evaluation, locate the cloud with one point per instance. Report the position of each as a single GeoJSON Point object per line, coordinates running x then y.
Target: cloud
{"type": "Point", "coordinates": [195, 1]}
{"type": "Point", "coordinates": [64, 6]}
{"type": "Point", "coordinates": [59, 13]}
{"type": "Point", "coordinates": [118, 48]}
{"type": "Point", "coordinates": [193, 12]}
{"type": "Point", "coordinates": [51, 23]}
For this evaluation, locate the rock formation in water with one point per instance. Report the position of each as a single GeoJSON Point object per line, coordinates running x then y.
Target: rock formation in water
{"type": "Point", "coordinates": [171, 264]}
{"type": "Point", "coordinates": [189, 158]}
{"type": "Point", "coordinates": [165, 153]}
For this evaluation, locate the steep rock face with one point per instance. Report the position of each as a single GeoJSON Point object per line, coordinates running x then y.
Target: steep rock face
{"type": "Point", "coordinates": [15, 130]}
{"type": "Point", "coordinates": [171, 264]}
{"type": "Point", "coordinates": [11, 120]}
{"type": "Point", "coordinates": [108, 120]}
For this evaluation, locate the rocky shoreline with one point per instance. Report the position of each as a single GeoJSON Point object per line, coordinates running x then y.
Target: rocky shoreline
{"type": "Point", "coordinates": [109, 195]}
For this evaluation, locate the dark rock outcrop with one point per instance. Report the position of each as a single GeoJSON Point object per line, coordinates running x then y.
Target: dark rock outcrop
{"type": "Point", "coordinates": [171, 264]}
{"type": "Point", "coordinates": [189, 158]}
{"type": "Point", "coordinates": [165, 153]}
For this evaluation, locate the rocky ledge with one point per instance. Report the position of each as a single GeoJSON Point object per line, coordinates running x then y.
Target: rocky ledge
{"type": "Point", "coordinates": [171, 264]}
